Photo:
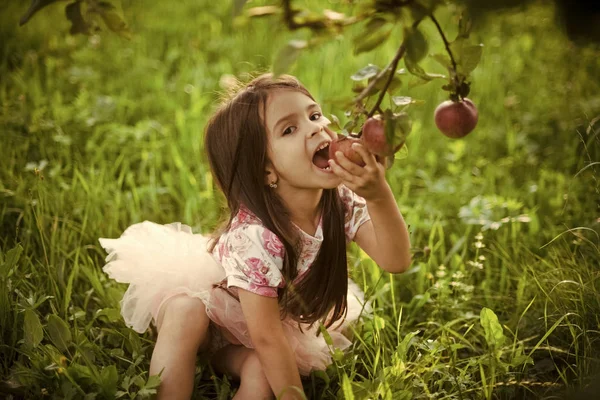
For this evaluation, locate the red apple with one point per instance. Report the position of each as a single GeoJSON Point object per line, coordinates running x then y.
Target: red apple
{"type": "Point", "coordinates": [373, 136]}
{"type": "Point", "coordinates": [344, 144]}
{"type": "Point", "coordinates": [456, 118]}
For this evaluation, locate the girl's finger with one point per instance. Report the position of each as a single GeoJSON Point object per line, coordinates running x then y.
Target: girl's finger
{"type": "Point", "coordinates": [348, 165]}
{"type": "Point", "coordinates": [340, 171]}
{"type": "Point", "coordinates": [367, 156]}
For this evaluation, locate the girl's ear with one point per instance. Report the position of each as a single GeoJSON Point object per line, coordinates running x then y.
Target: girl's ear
{"type": "Point", "coordinates": [270, 174]}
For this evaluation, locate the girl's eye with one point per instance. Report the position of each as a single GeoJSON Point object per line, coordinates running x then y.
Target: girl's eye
{"type": "Point", "coordinates": [289, 130]}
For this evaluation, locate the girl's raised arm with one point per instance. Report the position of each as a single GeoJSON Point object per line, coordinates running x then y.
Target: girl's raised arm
{"type": "Point", "coordinates": [385, 238]}
{"type": "Point", "coordinates": [275, 354]}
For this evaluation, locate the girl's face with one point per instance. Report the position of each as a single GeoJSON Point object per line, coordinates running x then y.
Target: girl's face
{"type": "Point", "coordinates": [296, 129]}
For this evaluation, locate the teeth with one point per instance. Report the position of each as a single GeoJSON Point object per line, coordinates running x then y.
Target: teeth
{"type": "Point", "coordinates": [321, 147]}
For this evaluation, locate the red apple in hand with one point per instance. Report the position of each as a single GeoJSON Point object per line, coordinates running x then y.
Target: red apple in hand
{"type": "Point", "coordinates": [344, 144]}
{"type": "Point", "coordinates": [456, 119]}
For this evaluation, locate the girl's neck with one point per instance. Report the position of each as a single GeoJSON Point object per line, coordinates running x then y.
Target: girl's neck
{"type": "Point", "coordinates": [304, 207]}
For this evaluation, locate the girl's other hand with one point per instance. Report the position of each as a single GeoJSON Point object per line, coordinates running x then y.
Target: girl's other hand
{"type": "Point", "coordinates": [369, 181]}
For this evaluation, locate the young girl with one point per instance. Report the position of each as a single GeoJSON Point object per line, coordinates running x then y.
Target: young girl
{"type": "Point", "coordinates": [255, 293]}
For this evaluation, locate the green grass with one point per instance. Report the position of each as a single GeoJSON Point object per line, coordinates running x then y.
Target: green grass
{"type": "Point", "coordinates": [99, 133]}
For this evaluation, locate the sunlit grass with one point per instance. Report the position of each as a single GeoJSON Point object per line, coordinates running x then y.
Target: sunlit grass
{"type": "Point", "coordinates": [99, 133]}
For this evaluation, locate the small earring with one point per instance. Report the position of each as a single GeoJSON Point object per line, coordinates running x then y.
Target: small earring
{"type": "Point", "coordinates": [273, 185]}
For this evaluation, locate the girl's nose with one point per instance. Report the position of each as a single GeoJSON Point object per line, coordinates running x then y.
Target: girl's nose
{"type": "Point", "coordinates": [316, 127]}
{"type": "Point", "coordinates": [315, 130]}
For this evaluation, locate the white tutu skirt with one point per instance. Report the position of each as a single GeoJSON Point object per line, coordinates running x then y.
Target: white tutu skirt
{"type": "Point", "coordinates": [162, 261]}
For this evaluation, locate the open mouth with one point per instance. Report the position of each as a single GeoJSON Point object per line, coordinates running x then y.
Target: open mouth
{"type": "Point", "coordinates": [321, 158]}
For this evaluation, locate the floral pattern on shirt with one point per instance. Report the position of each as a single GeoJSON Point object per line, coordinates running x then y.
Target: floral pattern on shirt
{"type": "Point", "coordinates": [356, 212]}
{"type": "Point", "coordinates": [272, 244]}
{"type": "Point", "coordinates": [252, 255]}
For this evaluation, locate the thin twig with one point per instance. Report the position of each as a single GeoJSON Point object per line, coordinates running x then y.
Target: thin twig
{"type": "Point", "coordinates": [446, 43]}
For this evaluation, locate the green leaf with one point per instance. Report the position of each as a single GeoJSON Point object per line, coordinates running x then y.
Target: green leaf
{"type": "Point", "coordinates": [416, 45]}
{"type": "Point", "coordinates": [394, 84]}
{"type": "Point", "coordinates": [403, 128]}
{"type": "Point", "coordinates": [402, 100]}
{"type": "Point", "coordinates": [287, 56]}
{"type": "Point", "coordinates": [375, 33]}
{"type": "Point", "coordinates": [9, 262]}
{"type": "Point", "coordinates": [113, 19]}
{"type": "Point", "coordinates": [402, 153]}
{"type": "Point", "coordinates": [78, 24]}
{"type": "Point", "coordinates": [112, 314]}
{"type": "Point", "coordinates": [403, 347]}
{"type": "Point", "coordinates": [417, 71]}
{"type": "Point", "coordinates": [336, 121]}
{"type": "Point", "coordinates": [32, 328]}
{"type": "Point", "coordinates": [59, 332]}
{"type": "Point", "coordinates": [464, 26]}
{"type": "Point", "coordinates": [153, 382]}
{"type": "Point", "coordinates": [34, 7]}
{"type": "Point", "coordinates": [109, 378]}
{"type": "Point", "coordinates": [467, 56]}
{"type": "Point", "coordinates": [367, 72]}
{"type": "Point", "coordinates": [494, 335]}
{"type": "Point", "coordinates": [397, 128]}
{"type": "Point", "coordinates": [519, 359]}
{"type": "Point", "coordinates": [443, 59]}
{"type": "Point", "coordinates": [349, 126]}
{"type": "Point", "coordinates": [390, 125]}
{"type": "Point", "coordinates": [347, 388]}
{"type": "Point", "coordinates": [326, 335]}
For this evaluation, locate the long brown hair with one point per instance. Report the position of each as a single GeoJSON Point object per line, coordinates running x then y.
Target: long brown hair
{"type": "Point", "coordinates": [236, 143]}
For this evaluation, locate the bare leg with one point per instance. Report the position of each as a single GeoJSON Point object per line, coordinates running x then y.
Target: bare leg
{"type": "Point", "coordinates": [243, 364]}
{"type": "Point", "coordinates": [182, 330]}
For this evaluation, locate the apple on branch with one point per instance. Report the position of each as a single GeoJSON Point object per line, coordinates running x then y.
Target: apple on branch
{"type": "Point", "coordinates": [456, 118]}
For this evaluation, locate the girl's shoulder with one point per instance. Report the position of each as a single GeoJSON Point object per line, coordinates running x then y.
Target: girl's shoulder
{"type": "Point", "coordinates": [247, 230]}
{"type": "Point", "coordinates": [243, 218]}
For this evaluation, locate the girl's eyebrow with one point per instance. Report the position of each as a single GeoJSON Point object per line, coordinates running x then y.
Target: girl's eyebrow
{"type": "Point", "coordinates": [283, 119]}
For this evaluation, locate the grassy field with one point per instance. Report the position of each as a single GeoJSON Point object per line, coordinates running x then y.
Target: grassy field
{"type": "Point", "coordinates": [96, 133]}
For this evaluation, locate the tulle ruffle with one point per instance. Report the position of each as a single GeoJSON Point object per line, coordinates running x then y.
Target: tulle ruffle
{"type": "Point", "coordinates": [162, 261]}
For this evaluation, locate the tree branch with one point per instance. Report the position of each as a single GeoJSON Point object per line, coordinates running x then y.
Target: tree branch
{"type": "Point", "coordinates": [392, 67]}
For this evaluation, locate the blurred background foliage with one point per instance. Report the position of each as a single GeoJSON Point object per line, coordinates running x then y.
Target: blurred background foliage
{"type": "Point", "coordinates": [99, 132]}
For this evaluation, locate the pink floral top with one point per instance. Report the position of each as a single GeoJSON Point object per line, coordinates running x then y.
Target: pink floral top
{"type": "Point", "coordinates": [252, 255]}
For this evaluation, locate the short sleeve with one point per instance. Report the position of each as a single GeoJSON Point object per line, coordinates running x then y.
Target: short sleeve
{"type": "Point", "coordinates": [253, 259]}
{"type": "Point", "coordinates": [355, 212]}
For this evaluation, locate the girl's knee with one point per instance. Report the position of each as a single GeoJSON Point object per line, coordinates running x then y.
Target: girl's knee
{"type": "Point", "coordinates": [253, 374]}
{"type": "Point", "coordinates": [188, 313]}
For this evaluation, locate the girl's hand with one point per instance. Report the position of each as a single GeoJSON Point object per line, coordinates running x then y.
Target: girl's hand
{"type": "Point", "coordinates": [369, 181]}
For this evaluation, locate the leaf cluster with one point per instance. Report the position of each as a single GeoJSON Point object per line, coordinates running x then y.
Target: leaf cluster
{"type": "Point", "coordinates": [85, 16]}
